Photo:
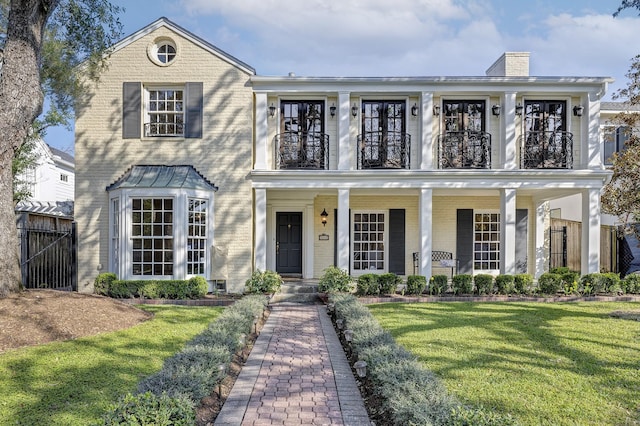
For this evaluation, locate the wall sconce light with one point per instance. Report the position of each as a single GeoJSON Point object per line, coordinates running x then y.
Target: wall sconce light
{"type": "Point", "coordinates": [272, 110]}
{"type": "Point", "coordinates": [323, 217]}
{"type": "Point", "coordinates": [354, 110]}
{"type": "Point", "coordinates": [519, 109]}
{"type": "Point", "coordinates": [414, 110]}
{"type": "Point", "coordinates": [332, 110]}
{"type": "Point", "coordinates": [495, 110]}
{"type": "Point", "coordinates": [361, 368]}
{"type": "Point", "coordinates": [578, 110]}
{"type": "Point", "coordinates": [436, 110]}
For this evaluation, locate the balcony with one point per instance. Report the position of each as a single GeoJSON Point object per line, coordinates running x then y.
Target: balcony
{"type": "Point", "coordinates": [384, 150]}
{"type": "Point", "coordinates": [546, 150]}
{"type": "Point", "coordinates": [464, 150]}
{"type": "Point", "coordinates": [302, 150]}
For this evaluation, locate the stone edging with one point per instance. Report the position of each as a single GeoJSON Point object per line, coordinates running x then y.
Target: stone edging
{"type": "Point", "coordinates": [542, 299]}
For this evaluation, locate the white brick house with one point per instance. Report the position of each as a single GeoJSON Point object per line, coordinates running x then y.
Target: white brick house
{"type": "Point", "coordinates": [190, 163]}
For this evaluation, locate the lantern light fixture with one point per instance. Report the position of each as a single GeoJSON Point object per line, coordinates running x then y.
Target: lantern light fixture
{"type": "Point", "coordinates": [436, 110]}
{"type": "Point", "coordinates": [272, 110]}
{"type": "Point", "coordinates": [323, 217]}
{"type": "Point", "coordinates": [354, 110]}
{"type": "Point", "coordinates": [578, 110]}
{"type": "Point", "coordinates": [519, 109]}
{"type": "Point", "coordinates": [414, 110]}
{"type": "Point", "coordinates": [332, 110]}
{"type": "Point", "coordinates": [495, 110]}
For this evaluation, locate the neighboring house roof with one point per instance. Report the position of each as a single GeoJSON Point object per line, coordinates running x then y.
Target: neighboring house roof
{"type": "Point", "coordinates": [618, 106]}
{"type": "Point", "coordinates": [64, 156]}
{"type": "Point", "coordinates": [160, 176]}
{"type": "Point", "coordinates": [164, 22]}
{"type": "Point", "coordinates": [46, 208]}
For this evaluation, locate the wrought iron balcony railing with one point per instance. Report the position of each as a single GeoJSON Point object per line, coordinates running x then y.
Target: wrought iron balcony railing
{"type": "Point", "coordinates": [464, 150]}
{"type": "Point", "coordinates": [302, 150]}
{"type": "Point", "coordinates": [384, 150]}
{"type": "Point", "coordinates": [546, 150]}
{"type": "Point", "coordinates": [163, 129]}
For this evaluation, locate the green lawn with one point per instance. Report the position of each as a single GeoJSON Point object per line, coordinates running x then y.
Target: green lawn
{"type": "Point", "coordinates": [73, 382]}
{"type": "Point", "coordinates": [546, 364]}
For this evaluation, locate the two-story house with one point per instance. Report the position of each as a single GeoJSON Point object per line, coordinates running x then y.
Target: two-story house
{"type": "Point", "coordinates": [189, 163]}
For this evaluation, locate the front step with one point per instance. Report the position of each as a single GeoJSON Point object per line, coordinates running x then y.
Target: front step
{"type": "Point", "coordinates": [296, 292]}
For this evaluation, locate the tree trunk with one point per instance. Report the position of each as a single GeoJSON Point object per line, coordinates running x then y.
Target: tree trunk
{"type": "Point", "coordinates": [20, 103]}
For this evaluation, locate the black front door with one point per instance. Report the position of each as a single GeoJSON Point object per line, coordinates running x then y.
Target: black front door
{"type": "Point", "coordinates": [289, 243]}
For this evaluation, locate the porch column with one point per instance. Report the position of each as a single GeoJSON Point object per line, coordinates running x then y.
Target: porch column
{"type": "Point", "coordinates": [308, 253]}
{"type": "Point", "coordinates": [426, 227]}
{"type": "Point", "coordinates": [590, 258]}
{"type": "Point", "coordinates": [542, 248]}
{"type": "Point", "coordinates": [262, 131]}
{"type": "Point", "coordinates": [426, 128]}
{"type": "Point", "coordinates": [590, 126]}
{"type": "Point", "coordinates": [260, 220]}
{"type": "Point", "coordinates": [509, 148]}
{"type": "Point", "coordinates": [344, 119]}
{"type": "Point", "coordinates": [343, 229]}
{"type": "Point", "coordinates": [507, 231]}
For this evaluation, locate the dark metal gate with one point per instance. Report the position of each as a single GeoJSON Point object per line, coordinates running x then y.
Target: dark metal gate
{"type": "Point", "coordinates": [48, 258]}
{"type": "Point", "coordinates": [557, 247]}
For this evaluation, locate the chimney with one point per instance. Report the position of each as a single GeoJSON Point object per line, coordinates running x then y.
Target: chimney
{"type": "Point", "coordinates": [510, 64]}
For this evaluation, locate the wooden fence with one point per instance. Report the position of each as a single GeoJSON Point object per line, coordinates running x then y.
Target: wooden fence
{"type": "Point", "coordinates": [565, 245]}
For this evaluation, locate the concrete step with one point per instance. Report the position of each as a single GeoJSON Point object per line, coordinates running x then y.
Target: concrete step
{"type": "Point", "coordinates": [281, 297]}
{"type": "Point", "coordinates": [292, 288]}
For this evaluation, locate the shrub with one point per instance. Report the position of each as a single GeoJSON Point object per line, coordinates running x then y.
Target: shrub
{"type": "Point", "coordinates": [505, 284]}
{"type": "Point", "coordinates": [149, 290]}
{"type": "Point", "coordinates": [335, 280]}
{"type": "Point", "coordinates": [196, 287]}
{"type": "Point", "coordinates": [462, 284]}
{"type": "Point", "coordinates": [263, 282]}
{"type": "Point", "coordinates": [439, 284]}
{"type": "Point", "coordinates": [593, 284]}
{"type": "Point", "coordinates": [612, 282]}
{"type": "Point", "coordinates": [121, 289]}
{"type": "Point", "coordinates": [149, 409]}
{"type": "Point", "coordinates": [416, 284]}
{"type": "Point", "coordinates": [550, 283]}
{"type": "Point", "coordinates": [367, 284]}
{"type": "Point", "coordinates": [103, 282]}
{"type": "Point", "coordinates": [388, 283]}
{"type": "Point", "coordinates": [484, 283]}
{"type": "Point", "coordinates": [631, 283]}
{"type": "Point", "coordinates": [568, 277]}
{"type": "Point", "coordinates": [523, 283]}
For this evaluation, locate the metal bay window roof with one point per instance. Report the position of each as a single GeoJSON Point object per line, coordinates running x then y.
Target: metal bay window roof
{"type": "Point", "coordinates": [161, 176]}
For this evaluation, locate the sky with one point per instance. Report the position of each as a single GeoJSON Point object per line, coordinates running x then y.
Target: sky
{"type": "Point", "coordinates": [363, 38]}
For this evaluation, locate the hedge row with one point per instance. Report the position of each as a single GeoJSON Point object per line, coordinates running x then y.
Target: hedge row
{"type": "Point", "coordinates": [194, 288]}
{"type": "Point", "coordinates": [408, 392]}
{"type": "Point", "coordinates": [191, 374]}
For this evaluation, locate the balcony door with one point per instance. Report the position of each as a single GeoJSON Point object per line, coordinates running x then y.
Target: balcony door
{"type": "Point", "coordinates": [464, 144]}
{"type": "Point", "coordinates": [301, 139]}
{"type": "Point", "coordinates": [547, 144]}
{"type": "Point", "coordinates": [383, 140]}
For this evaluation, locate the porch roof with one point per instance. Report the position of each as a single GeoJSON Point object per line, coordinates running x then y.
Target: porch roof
{"type": "Point", "coordinates": [162, 176]}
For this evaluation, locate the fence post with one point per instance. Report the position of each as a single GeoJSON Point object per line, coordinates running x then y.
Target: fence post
{"type": "Point", "coordinates": [74, 256]}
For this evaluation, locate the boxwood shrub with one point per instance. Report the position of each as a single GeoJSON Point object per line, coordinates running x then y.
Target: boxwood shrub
{"type": "Point", "coordinates": [335, 280]}
{"type": "Point", "coordinates": [631, 283]}
{"type": "Point", "coordinates": [193, 288]}
{"type": "Point", "coordinates": [262, 282]}
{"type": "Point", "coordinates": [484, 283]}
{"type": "Point", "coordinates": [388, 283]}
{"type": "Point", "coordinates": [438, 284]}
{"type": "Point", "coordinates": [505, 284]}
{"type": "Point", "coordinates": [550, 283]}
{"type": "Point", "coordinates": [462, 284]}
{"type": "Point", "coordinates": [523, 283]}
{"type": "Point", "coordinates": [367, 285]}
{"type": "Point", "coordinates": [103, 282]}
{"type": "Point", "coordinates": [416, 284]}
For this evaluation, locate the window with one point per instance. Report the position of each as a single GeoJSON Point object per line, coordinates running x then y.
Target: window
{"type": "Point", "coordinates": [614, 139]}
{"type": "Point", "coordinates": [196, 236]}
{"type": "Point", "coordinates": [162, 51]}
{"type": "Point", "coordinates": [368, 241]}
{"type": "Point", "coordinates": [384, 142]}
{"type": "Point", "coordinates": [464, 116]}
{"type": "Point", "coordinates": [115, 233]}
{"type": "Point", "coordinates": [152, 236]}
{"type": "Point", "coordinates": [486, 237]}
{"type": "Point", "coordinates": [64, 177]}
{"type": "Point", "coordinates": [166, 53]}
{"type": "Point", "coordinates": [165, 112]}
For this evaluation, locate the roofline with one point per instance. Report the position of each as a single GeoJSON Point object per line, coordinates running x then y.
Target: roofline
{"type": "Point", "coordinates": [164, 22]}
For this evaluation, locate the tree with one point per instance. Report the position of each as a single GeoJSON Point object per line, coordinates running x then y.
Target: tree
{"type": "Point", "coordinates": [620, 196]}
{"type": "Point", "coordinates": [44, 45]}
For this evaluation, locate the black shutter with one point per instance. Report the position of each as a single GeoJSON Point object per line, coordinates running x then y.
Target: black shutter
{"type": "Point", "coordinates": [131, 114]}
{"type": "Point", "coordinates": [193, 119]}
{"type": "Point", "coordinates": [521, 240]}
{"type": "Point", "coordinates": [464, 241]}
{"type": "Point", "coordinates": [396, 241]}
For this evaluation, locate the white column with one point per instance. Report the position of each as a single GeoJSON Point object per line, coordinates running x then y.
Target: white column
{"type": "Point", "coordinates": [509, 144]}
{"type": "Point", "coordinates": [260, 220]}
{"type": "Point", "coordinates": [426, 135]}
{"type": "Point", "coordinates": [542, 248]}
{"type": "Point", "coordinates": [590, 231]}
{"type": "Point", "coordinates": [308, 241]}
{"type": "Point", "coordinates": [262, 131]}
{"type": "Point", "coordinates": [508, 231]}
{"type": "Point", "coordinates": [343, 229]}
{"type": "Point", "coordinates": [591, 128]}
{"type": "Point", "coordinates": [344, 120]}
{"type": "Point", "coordinates": [426, 225]}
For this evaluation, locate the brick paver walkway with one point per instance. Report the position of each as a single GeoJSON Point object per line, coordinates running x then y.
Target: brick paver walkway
{"type": "Point", "coordinates": [297, 374]}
